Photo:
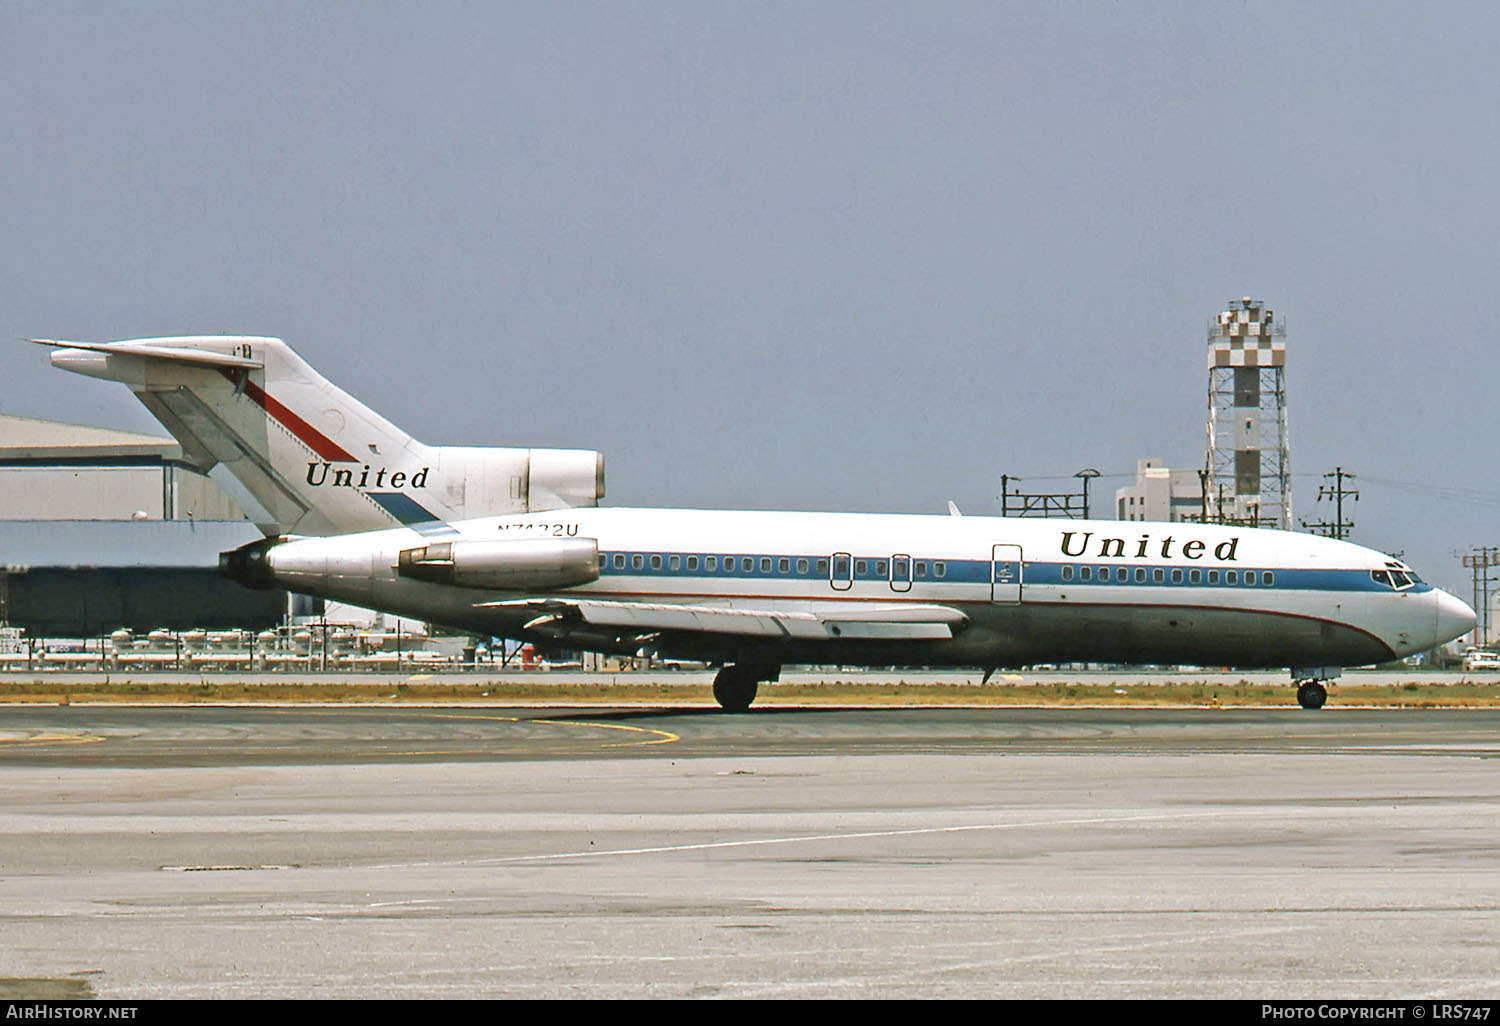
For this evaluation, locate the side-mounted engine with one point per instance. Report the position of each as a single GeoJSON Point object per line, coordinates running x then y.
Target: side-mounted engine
{"type": "Point", "coordinates": [540, 564]}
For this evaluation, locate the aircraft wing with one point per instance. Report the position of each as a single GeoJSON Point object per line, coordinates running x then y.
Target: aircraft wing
{"type": "Point", "coordinates": [893, 622]}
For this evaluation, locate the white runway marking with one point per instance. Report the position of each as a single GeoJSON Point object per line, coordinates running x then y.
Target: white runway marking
{"type": "Point", "coordinates": [861, 835]}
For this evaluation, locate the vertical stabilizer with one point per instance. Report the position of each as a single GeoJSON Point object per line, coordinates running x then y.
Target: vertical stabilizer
{"type": "Point", "coordinates": [302, 456]}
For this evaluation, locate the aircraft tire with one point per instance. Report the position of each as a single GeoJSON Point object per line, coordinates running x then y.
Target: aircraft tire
{"type": "Point", "coordinates": [1311, 694]}
{"type": "Point", "coordinates": [735, 688]}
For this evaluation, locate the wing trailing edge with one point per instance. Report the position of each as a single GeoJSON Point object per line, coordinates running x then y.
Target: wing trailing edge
{"type": "Point", "coordinates": [829, 623]}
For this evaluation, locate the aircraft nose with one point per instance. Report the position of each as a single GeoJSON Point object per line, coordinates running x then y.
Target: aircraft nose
{"type": "Point", "coordinates": [1454, 617]}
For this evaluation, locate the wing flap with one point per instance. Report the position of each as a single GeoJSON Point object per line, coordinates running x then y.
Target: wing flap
{"type": "Point", "coordinates": [826, 623]}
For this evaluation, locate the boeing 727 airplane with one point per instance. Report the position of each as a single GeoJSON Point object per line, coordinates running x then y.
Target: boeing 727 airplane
{"type": "Point", "coordinates": [753, 591]}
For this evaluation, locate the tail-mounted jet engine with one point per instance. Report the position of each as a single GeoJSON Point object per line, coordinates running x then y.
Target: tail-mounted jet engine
{"type": "Point", "coordinates": [247, 565]}
{"type": "Point", "coordinates": [541, 564]}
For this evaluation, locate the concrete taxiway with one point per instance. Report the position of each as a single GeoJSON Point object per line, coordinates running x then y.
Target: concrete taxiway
{"type": "Point", "coordinates": [400, 852]}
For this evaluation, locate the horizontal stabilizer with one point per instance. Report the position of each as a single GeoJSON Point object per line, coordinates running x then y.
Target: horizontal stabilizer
{"type": "Point", "coordinates": [202, 357]}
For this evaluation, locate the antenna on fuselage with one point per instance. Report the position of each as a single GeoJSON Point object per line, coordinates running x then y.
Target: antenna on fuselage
{"type": "Point", "coordinates": [953, 509]}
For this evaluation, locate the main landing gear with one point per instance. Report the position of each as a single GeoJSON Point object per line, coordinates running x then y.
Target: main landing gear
{"type": "Point", "coordinates": [1310, 681]}
{"type": "Point", "coordinates": [735, 686]}
{"type": "Point", "coordinates": [1311, 694]}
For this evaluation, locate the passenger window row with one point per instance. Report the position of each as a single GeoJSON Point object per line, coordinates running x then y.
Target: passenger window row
{"type": "Point", "coordinates": [1161, 575]}
{"type": "Point", "coordinates": [773, 566]}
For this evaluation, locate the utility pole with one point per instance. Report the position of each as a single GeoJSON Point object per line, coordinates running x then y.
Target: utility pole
{"type": "Point", "coordinates": [1479, 560]}
{"type": "Point", "coordinates": [1086, 473]}
{"type": "Point", "coordinates": [1340, 527]}
{"type": "Point", "coordinates": [1070, 505]}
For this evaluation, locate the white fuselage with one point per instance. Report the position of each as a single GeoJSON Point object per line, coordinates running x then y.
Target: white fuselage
{"type": "Point", "coordinates": [1029, 590]}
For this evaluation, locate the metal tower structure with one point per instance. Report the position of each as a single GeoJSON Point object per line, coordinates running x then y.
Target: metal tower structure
{"type": "Point", "coordinates": [1249, 455]}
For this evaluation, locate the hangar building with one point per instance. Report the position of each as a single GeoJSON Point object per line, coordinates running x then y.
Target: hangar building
{"type": "Point", "coordinates": [102, 529]}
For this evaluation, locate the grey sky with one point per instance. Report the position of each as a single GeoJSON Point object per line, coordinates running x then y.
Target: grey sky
{"type": "Point", "coordinates": [862, 256]}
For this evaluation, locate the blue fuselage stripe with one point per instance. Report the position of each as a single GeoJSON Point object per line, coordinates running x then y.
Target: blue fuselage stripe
{"type": "Point", "coordinates": [878, 569]}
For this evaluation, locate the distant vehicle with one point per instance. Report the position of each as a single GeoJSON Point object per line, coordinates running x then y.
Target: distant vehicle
{"type": "Point", "coordinates": [1481, 661]}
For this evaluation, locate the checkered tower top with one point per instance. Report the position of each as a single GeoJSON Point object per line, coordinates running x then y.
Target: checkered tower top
{"type": "Point", "coordinates": [1246, 335]}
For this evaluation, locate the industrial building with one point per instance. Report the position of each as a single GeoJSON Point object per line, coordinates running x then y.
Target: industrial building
{"type": "Point", "coordinates": [55, 471]}
{"type": "Point", "coordinates": [104, 529]}
{"type": "Point", "coordinates": [1161, 493]}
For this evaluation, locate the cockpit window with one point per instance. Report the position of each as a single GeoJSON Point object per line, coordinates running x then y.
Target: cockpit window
{"type": "Point", "coordinates": [1398, 580]}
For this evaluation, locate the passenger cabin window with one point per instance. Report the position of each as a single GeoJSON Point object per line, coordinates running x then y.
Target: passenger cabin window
{"type": "Point", "coordinates": [1231, 576]}
{"type": "Point", "coordinates": [783, 566]}
{"type": "Point", "coordinates": [1176, 576]}
{"type": "Point", "coordinates": [674, 562]}
{"type": "Point", "coordinates": [692, 563]}
{"type": "Point", "coordinates": [619, 561]}
{"type": "Point", "coordinates": [921, 568]}
{"type": "Point", "coordinates": [656, 562]}
{"type": "Point", "coordinates": [940, 569]}
{"type": "Point", "coordinates": [1140, 575]}
{"type": "Point", "coordinates": [747, 564]}
{"type": "Point", "coordinates": [765, 564]}
{"type": "Point", "coordinates": [1159, 575]}
{"type": "Point", "coordinates": [636, 562]}
{"type": "Point", "coordinates": [1067, 573]}
{"type": "Point", "coordinates": [1268, 579]}
{"type": "Point", "coordinates": [1195, 576]}
{"type": "Point", "coordinates": [1085, 573]}
{"type": "Point", "coordinates": [802, 566]}
{"type": "Point", "coordinates": [1213, 577]}
{"type": "Point", "coordinates": [710, 562]}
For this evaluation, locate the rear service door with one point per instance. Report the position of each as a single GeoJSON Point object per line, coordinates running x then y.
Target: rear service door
{"type": "Point", "coordinates": [1005, 574]}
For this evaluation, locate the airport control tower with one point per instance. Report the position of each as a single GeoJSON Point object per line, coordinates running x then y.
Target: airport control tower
{"type": "Point", "coordinates": [1249, 455]}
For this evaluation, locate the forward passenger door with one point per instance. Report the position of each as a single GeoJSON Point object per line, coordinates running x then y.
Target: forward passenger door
{"type": "Point", "coordinates": [1006, 571]}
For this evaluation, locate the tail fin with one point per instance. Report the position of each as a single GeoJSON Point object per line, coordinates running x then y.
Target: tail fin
{"type": "Point", "coordinates": [301, 456]}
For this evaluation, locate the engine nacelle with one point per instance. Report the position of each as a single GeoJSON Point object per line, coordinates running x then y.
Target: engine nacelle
{"type": "Point", "coordinates": [564, 478]}
{"type": "Point", "coordinates": [541, 564]}
{"type": "Point", "coordinates": [483, 482]}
